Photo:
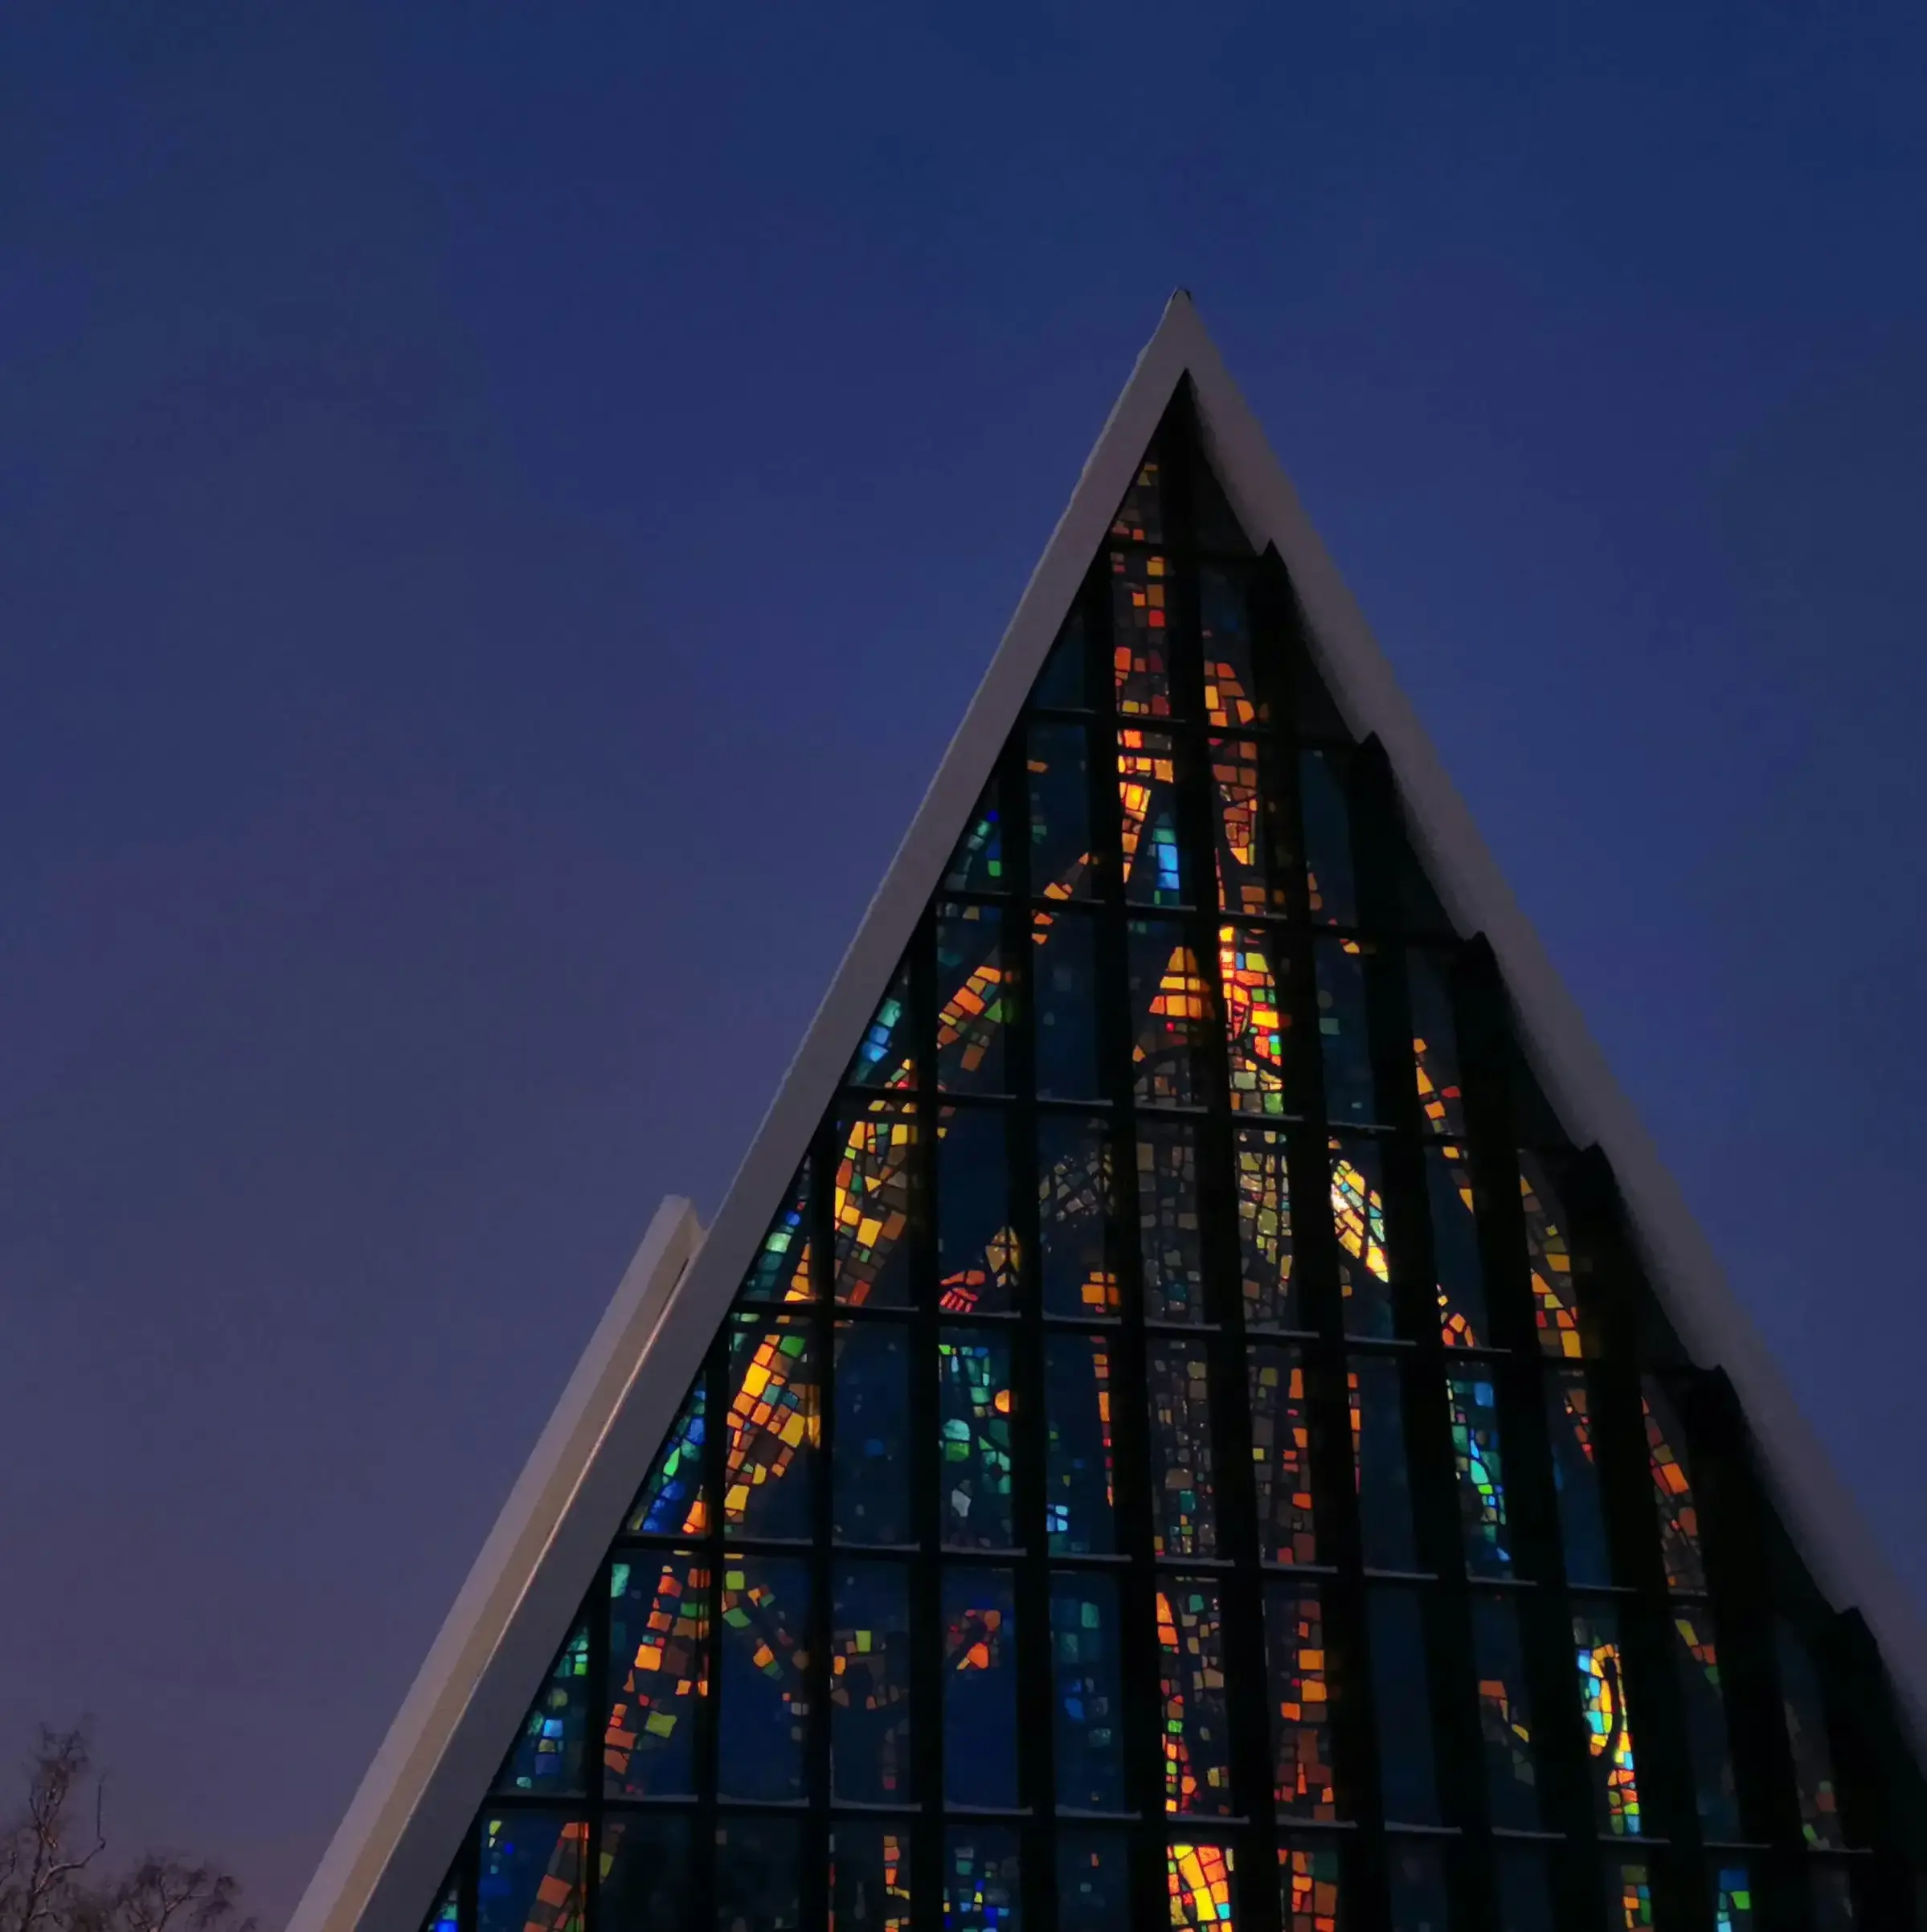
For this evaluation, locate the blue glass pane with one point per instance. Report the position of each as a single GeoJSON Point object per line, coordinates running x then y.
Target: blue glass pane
{"type": "Point", "coordinates": [780, 1271]}
{"type": "Point", "coordinates": [670, 1502]}
{"type": "Point", "coordinates": [1378, 1440]}
{"type": "Point", "coordinates": [876, 1189]}
{"type": "Point", "coordinates": [771, 1446]}
{"type": "Point", "coordinates": [1065, 977]}
{"type": "Point", "coordinates": [1576, 1476]}
{"type": "Point", "coordinates": [1148, 765]}
{"type": "Point", "coordinates": [979, 1687]}
{"type": "Point", "coordinates": [1077, 1275]}
{"type": "Point", "coordinates": [1183, 1475]}
{"type": "Point", "coordinates": [885, 1056]}
{"type": "Point", "coordinates": [646, 1878]}
{"type": "Point", "coordinates": [976, 865]}
{"type": "Point", "coordinates": [758, 1875]}
{"type": "Point", "coordinates": [1085, 1652]}
{"type": "Point", "coordinates": [659, 1634]}
{"type": "Point", "coordinates": [1078, 1381]}
{"type": "Point", "coordinates": [548, 1759]}
{"type": "Point", "coordinates": [1170, 1243]}
{"type": "Point", "coordinates": [1093, 1881]}
{"type": "Point", "coordinates": [976, 1246]}
{"type": "Point", "coordinates": [1058, 770]}
{"type": "Point", "coordinates": [870, 1683]}
{"type": "Point", "coordinates": [870, 1877]}
{"type": "Point", "coordinates": [1402, 1688]}
{"type": "Point", "coordinates": [1472, 1404]}
{"type": "Point", "coordinates": [1328, 832]}
{"type": "Point", "coordinates": [764, 1706]}
{"type": "Point", "coordinates": [1460, 1273]}
{"type": "Point", "coordinates": [1505, 1715]}
{"type": "Point", "coordinates": [981, 1891]}
{"type": "Point", "coordinates": [973, 999]}
{"type": "Point", "coordinates": [1351, 1093]}
{"type": "Point", "coordinates": [1358, 1217]}
{"type": "Point", "coordinates": [533, 1873]}
{"type": "Point", "coordinates": [974, 1408]}
{"type": "Point", "coordinates": [870, 1470]}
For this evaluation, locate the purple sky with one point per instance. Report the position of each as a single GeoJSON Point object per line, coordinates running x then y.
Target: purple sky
{"type": "Point", "coordinates": [499, 511]}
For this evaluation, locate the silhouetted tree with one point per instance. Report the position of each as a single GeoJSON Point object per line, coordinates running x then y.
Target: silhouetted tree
{"type": "Point", "coordinates": [49, 1878]}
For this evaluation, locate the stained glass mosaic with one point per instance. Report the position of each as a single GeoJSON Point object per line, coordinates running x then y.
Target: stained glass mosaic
{"type": "Point", "coordinates": [1066, 1526]}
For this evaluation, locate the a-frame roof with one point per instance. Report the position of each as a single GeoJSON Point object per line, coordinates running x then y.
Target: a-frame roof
{"type": "Point", "coordinates": [402, 1829]}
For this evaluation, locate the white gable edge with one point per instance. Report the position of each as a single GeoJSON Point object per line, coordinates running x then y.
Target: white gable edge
{"type": "Point", "coordinates": [431, 1774]}
{"type": "Point", "coordinates": [395, 1842]}
{"type": "Point", "coordinates": [1826, 1524]}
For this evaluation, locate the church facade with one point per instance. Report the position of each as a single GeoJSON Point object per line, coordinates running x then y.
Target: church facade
{"type": "Point", "coordinates": [1201, 1407]}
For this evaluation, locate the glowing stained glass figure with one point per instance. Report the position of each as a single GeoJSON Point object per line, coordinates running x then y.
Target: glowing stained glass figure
{"type": "Point", "coordinates": [1609, 1726]}
{"type": "Point", "coordinates": [1302, 1779]}
{"type": "Point", "coordinates": [1254, 1019]}
{"type": "Point", "coordinates": [870, 1204]}
{"type": "Point", "coordinates": [557, 1904]}
{"type": "Point", "coordinates": [1281, 1438]}
{"type": "Point", "coordinates": [1442, 1104]}
{"type": "Point", "coordinates": [975, 1641]}
{"type": "Point", "coordinates": [976, 1404]}
{"type": "Point", "coordinates": [1179, 1007]}
{"type": "Point", "coordinates": [1140, 516]}
{"type": "Point", "coordinates": [1200, 1880]}
{"type": "Point", "coordinates": [447, 1915]}
{"type": "Point", "coordinates": [1633, 1897]}
{"type": "Point", "coordinates": [670, 1503]}
{"type": "Point", "coordinates": [971, 1016]}
{"type": "Point", "coordinates": [781, 1269]}
{"type": "Point", "coordinates": [960, 1291]}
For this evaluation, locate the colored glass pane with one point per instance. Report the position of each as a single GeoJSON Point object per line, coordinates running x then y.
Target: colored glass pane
{"type": "Point", "coordinates": [1416, 1881]}
{"type": "Point", "coordinates": [1569, 1426]}
{"type": "Point", "coordinates": [670, 1502]}
{"type": "Point", "coordinates": [973, 999]}
{"type": "Point", "coordinates": [1326, 814]}
{"type": "Point", "coordinates": [869, 1473]}
{"type": "Point", "coordinates": [1608, 1724]}
{"type": "Point", "coordinates": [870, 1877]}
{"type": "Point", "coordinates": [1378, 1451]}
{"type": "Point", "coordinates": [1141, 518]}
{"type": "Point", "coordinates": [1281, 1456]}
{"type": "Point", "coordinates": [1147, 809]}
{"type": "Point", "coordinates": [446, 1916]}
{"type": "Point", "coordinates": [532, 1875]}
{"type": "Point", "coordinates": [1298, 1663]}
{"type": "Point", "coordinates": [759, 1868]}
{"type": "Point", "coordinates": [1190, 1677]}
{"type": "Point", "coordinates": [1087, 1689]}
{"type": "Point", "coordinates": [1251, 968]}
{"type": "Point", "coordinates": [869, 1684]}
{"type": "Point", "coordinates": [1140, 590]}
{"type": "Point", "coordinates": [1434, 1045]}
{"type": "Point", "coordinates": [1730, 1885]}
{"type": "Point", "coordinates": [1058, 769]}
{"type": "Point", "coordinates": [1251, 873]}
{"type": "Point", "coordinates": [1563, 1321]}
{"type": "Point", "coordinates": [1171, 1251]}
{"type": "Point", "coordinates": [1526, 1902]}
{"type": "Point", "coordinates": [1629, 1895]}
{"type": "Point", "coordinates": [1696, 1657]}
{"type": "Point", "coordinates": [1344, 1042]}
{"type": "Point", "coordinates": [1310, 1888]}
{"type": "Point", "coordinates": [1064, 683]}
{"type": "Point", "coordinates": [1472, 1403]}
{"type": "Point", "coordinates": [1233, 700]}
{"type": "Point", "coordinates": [1358, 1214]}
{"type": "Point", "coordinates": [658, 1667]}
{"type": "Point", "coordinates": [1184, 1485]}
{"type": "Point", "coordinates": [1076, 1200]}
{"type": "Point", "coordinates": [1079, 1498]}
{"type": "Point", "coordinates": [977, 1254]}
{"type": "Point", "coordinates": [876, 1184]}
{"type": "Point", "coordinates": [1171, 1014]}
{"type": "Point", "coordinates": [771, 1425]}
{"type": "Point", "coordinates": [979, 1687]}
{"type": "Point", "coordinates": [1093, 1881]}
{"type": "Point", "coordinates": [549, 1758]}
{"type": "Point", "coordinates": [976, 861]}
{"type": "Point", "coordinates": [1198, 1878]}
{"type": "Point", "coordinates": [1401, 1694]}
{"type": "Point", "coordinates": [982, 1891]}
{"type": "Point", "coordinates": [1450, 1197]}
{"type": "Point", "coordinates": [1831, 1891]}
{"type": "Point", "coordinates": [1064, 980]}
{"type": "Point", "coordinates": [1807, 1737]}
{"type": "Point", "coordinates": [645, 1877]}
{"type": "Point", "coordinates": [885, 1056]}
{"type": "Point", "coordinates": [1505, 1717]}
{"type": "Point", "coordinates": [1264, 1228]}
{"type": "Point", "coordinates": [781, 1269]}
{"type": "Point", "coordinates": [763, 1677]}
{"type": "Point", "coordinates": [974, 1411]}
{"type": "Point", "coordinates": [1673, 1499]}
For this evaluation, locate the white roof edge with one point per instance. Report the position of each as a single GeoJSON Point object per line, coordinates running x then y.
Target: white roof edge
{"type": "Point", "coordinates": [1827, 1524]}
{"type": "Point", "coordinates": [395, 1845]}
{"type": "Point", "coordinates": [401, 1831]}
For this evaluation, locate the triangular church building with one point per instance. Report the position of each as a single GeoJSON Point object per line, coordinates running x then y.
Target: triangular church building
{"type": "Point", "coordinates": [1201, 1407]}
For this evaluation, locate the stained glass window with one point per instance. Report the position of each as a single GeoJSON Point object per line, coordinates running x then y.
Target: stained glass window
{"type": "Point", "coordinates": [1049, 1485]}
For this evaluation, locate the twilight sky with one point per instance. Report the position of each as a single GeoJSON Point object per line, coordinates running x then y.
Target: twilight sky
{"type": "Point", "coordinates": [501, 509]}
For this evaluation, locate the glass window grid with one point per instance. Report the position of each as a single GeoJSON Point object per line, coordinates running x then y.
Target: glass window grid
{"type": "Point", "coordinates": [1440, 1580]}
